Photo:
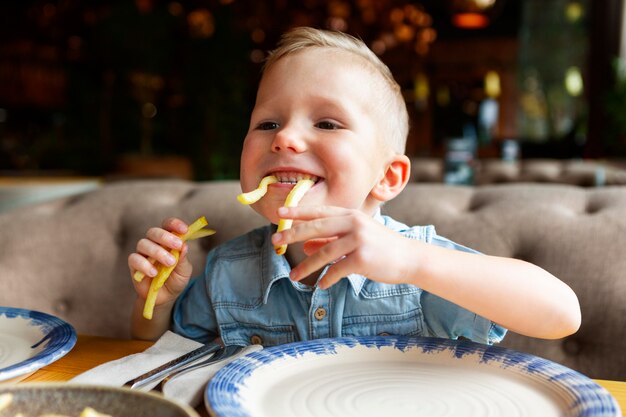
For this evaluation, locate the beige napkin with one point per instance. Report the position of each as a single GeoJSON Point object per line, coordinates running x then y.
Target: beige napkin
{"type": "Point", "coordinates": [187, 388]}
{"type": "Point", "coordinates": [117, 372]}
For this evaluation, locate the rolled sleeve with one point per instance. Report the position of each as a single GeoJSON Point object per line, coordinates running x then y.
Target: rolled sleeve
{"type": "Point", "coordinates": [448, 320]}
{"type": "Point", "coordinates": [445, 319]}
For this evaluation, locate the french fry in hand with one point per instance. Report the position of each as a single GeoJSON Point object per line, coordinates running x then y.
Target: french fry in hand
{"type": "Point", "coordinates": [292, 200]}
{"type": "Point", "coordinates": [195, 230]}
{"type": "Point", "coordinates": [190, 235]}
{"type": "Point", "coordinates": [200, 234]}
{"type": "Point", "coordinates": [138, 275]}
{"type": "Point", "coordinates": [255, 195]}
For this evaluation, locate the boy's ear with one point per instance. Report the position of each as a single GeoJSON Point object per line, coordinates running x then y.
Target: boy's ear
{"type": "Point", "coordinates": [394, 180]}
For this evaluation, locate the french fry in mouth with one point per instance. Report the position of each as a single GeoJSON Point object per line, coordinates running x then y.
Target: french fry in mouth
{"type": "Point", "coordinates": [292, 200]}
{"type": "Point", "coordinates": [255, 195]}
{"type": "Point", "coordinates": [195, 230]}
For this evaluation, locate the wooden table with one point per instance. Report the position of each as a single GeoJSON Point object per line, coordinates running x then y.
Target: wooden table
{"type": "Point", "coordinates": [91, 351]}
{"type": "Point", "coordinates": [88, 352]}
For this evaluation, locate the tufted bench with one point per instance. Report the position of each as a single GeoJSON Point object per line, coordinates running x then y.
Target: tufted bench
{"type": "Point", "coordinates": [68, 256]}
{"type": "Point", "coordinates": [584, 173]}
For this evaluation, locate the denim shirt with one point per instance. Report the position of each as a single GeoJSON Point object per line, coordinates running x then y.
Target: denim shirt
{"type": "Point", "coordinates": [245, 296]}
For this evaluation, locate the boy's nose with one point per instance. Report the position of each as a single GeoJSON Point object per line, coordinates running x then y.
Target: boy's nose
{"type": "Point", "coordinates": [288, 139]}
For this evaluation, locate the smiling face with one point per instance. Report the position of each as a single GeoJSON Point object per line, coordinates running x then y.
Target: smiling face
{"type": "Point", "coordinates": [316, 116]}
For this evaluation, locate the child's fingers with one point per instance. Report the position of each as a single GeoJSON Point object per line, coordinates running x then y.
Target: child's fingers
{"type": "Point", "coordinates": [175, 225]}
{"type": "Point", "coordinates": [327, 254]}
{"type": "Point", "coordinates": [176, 282]}
{"type": "Point", "coordinates": [313, 245]}
{"type": "Point", "coordinates": [311, 212]}
{"type": "Point", "coordinates": [179, 277]}
{"type": "Point", "coordinates": [155, 251]}
{"type": "Point", "coordinates": [335, 272]}
{"type": "Point", "coordinates": [136, 262]}
{"type": "Point", "coordinates": [317, 228]}
{"type": "Point", "coordinates": [142, 287]}
{"type": "Point", "coordinates": [164, 238]}
{"type": "Point", "coordinates": [183, 252]}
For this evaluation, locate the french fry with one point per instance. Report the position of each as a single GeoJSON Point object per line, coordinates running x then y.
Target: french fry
{"type": "Point", "coordinates": [194, 231]}
{"type": "Point", "coordinates": [255, 195]}
{"type": "Point", "coordinates": [5, 400]}
{"type": "Point", "coordinates": [190, 235]}
{"type": "Point", "coordinates": [292, 200]}
{"type": "Point", "coordinates": [90, 412]}
{"type": "Point", "coordinates": [200, 234]}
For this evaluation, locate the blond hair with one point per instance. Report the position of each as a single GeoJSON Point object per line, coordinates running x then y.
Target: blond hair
{"type": "Point", "coordinates": [392, 103]}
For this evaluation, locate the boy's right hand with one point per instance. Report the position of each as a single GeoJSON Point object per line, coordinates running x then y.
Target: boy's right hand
{"type": "Point", "coordinates": [157, 245]}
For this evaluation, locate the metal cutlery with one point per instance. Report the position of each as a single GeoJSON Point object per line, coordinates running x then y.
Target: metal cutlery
{"type": "Point", "coordinates": [221, 355]}
{"type": "Point", "coordinates": [162, 371]}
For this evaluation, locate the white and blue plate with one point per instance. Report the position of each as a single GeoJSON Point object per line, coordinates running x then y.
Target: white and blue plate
{"type": "Point", "coordinates": [30, 340]}
{"type": "Point", "coordinates": [401, 376]}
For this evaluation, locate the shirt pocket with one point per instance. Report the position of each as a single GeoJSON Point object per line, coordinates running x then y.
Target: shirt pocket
{"type": "Point", "coordinates": [244, 334]}
{"type": "Point", "coordinates": [404, 324]}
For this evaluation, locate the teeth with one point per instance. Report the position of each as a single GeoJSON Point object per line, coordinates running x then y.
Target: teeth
{"type": "Point", "coordinates": [293, 177]}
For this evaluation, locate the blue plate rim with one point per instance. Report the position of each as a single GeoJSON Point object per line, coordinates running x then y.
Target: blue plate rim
{"type": "Point", "coordinates": [222, 397]}
{"type": "Point", "coordinates": [59, 336]}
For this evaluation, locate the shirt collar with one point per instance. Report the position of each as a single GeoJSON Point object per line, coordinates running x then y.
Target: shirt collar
{"type": "Point", "coordinates": [276, 267]}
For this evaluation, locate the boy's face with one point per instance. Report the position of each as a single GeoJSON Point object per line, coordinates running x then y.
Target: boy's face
{"type": "Point", "coordinates": [316, 115]}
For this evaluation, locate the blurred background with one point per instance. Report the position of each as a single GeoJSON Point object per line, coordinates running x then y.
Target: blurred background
{"type": "Point", "coordinates": [136, 88]}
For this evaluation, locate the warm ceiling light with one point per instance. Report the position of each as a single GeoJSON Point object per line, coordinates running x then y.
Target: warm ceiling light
{"type": "Point", "coordinates": [470, 20]}
{"type": "Point", "coordinates": [574, 11]}
{"type": "Point", "coordinates": [484, 4]}
{"type": "Point", "coordinates": [492, 84]}
{"type": "Point", "coordinates": [472, 14]}
{"type": "Point", "coordinates": [574, 81]}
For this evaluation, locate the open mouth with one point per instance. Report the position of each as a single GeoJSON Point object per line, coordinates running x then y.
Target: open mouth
{"type": "Point", "coordinates": [292, 177]}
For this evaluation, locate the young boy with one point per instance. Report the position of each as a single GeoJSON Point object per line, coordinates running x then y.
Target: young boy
{"type": "Point", "coordinates": [328, 109]}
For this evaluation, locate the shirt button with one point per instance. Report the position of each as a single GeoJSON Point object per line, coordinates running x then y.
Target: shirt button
{"type": "Point", "coordinates": [320, 313]}
{"type": "Point", "coordinates": [256, 340]}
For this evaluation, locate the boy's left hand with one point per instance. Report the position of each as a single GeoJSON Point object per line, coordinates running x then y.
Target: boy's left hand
{"type": "Point", "coordinates": [349, 239]}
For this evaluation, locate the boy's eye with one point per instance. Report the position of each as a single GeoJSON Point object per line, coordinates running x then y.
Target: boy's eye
{"type": "Point", "coordinates": [327, 125]}
{"type": "Point", "coordinates": [267, 126]}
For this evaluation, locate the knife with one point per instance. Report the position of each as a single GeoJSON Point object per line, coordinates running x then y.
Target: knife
{"type": "Point", "coordinates": [158, 373]}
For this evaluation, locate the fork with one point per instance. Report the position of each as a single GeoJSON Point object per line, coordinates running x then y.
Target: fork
{"type": "Point", "coordinates": [220, 355]}
{"type": "Point", "coordinates": [156, 374]}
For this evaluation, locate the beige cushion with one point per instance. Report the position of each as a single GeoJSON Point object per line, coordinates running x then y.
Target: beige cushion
{"type": "Point", "coordinates": [584, 173]}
